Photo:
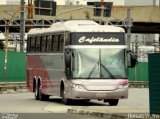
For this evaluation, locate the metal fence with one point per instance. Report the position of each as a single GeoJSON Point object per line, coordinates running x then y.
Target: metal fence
{"type": "Point", "coordinates": [15, 68]}
{"type": "Point", "coordinates": [138, 76]}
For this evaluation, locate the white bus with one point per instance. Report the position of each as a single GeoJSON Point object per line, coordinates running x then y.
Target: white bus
{"type": "Point", "coordinates": [77, 60]}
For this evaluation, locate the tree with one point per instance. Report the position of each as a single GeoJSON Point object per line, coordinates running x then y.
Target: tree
{"type": "Point", "coordinates": [1, 45]}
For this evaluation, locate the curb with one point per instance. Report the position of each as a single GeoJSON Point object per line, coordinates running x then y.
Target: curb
{"type": "Point", "coordinates": [11, 91]}
{"type": "Point", "coordinates": [98, 114]}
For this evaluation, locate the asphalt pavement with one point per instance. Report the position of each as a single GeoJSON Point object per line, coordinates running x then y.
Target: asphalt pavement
{"type": "Point", "coordinates": [136, 106]}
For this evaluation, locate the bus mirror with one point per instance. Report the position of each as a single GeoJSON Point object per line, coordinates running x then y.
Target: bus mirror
{"type": "Point", "coordinates": [68, 63]}
{"type": "Point", "coordinates": [133, 58]}
{"type": "Point", "coordinates": [68, 73]}
{"type": "Point", "coordinates": [68, 59]}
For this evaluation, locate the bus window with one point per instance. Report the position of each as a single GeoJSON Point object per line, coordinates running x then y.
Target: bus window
{"type": "Point", "coordinates": [55, 43]}
{"type": "Point", "coordinates": [32, 44]}
{"type": "Point", "coordinates": [49, 43]}
{"type": "Point", "coordinates": [38, 43]}
{"type": "Point", "coordinates": [61, 43]}
{"type": "Point", "coordinates": [43, 45]}
{"type": "Point", "coordinates": [67, 39]}
{"type": "Point", "coordinates": [28, 44]}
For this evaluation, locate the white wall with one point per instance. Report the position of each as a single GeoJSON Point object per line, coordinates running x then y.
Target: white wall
{"type": "Point", "coordinates": [140, 2]}
{"type": "Point", "coordinates": [3, 2]}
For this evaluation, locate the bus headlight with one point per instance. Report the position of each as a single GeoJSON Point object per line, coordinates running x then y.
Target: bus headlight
{"type": "Point", "coordinates": [80, 86]}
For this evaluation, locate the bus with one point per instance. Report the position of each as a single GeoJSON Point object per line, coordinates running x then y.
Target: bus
{"type": "Point", "coordinates": [78, 60]}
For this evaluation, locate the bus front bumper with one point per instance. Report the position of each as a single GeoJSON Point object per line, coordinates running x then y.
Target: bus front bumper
{"type": "Point", "coordinates": [75, 93]}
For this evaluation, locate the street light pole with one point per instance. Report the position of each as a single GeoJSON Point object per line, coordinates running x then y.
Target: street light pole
{"type": "Point", "coordinates": [22, 26]}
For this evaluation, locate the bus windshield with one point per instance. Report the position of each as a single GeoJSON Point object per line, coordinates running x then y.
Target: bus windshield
{"type": "Point", "coordinates": [104, 63]}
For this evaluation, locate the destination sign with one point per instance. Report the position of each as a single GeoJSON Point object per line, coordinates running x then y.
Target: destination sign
{"type": "Point", "coordinates": [97, 39]}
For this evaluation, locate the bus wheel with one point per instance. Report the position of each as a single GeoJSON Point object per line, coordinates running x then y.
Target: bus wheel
{"type": "Point", "coordinates": [113, 102]}
{"type": "Point", "coordinates": [42, 96]}
{"type": "Point", "coordinates": [64, 99]}
{"type": "Point", "coordinates": [36, 93]}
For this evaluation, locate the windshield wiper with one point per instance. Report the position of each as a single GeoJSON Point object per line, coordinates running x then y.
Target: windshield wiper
{"type": "Point", "coordinates": [93, 69]}
{"type": "Point", "coordinates": [108, 71]}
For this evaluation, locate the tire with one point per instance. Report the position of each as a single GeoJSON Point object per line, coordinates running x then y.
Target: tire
{"type": "Point", "coordinates": [64, 99]}
{"type": "Point", "coordinates": [113, 102]}
{"type": "Point", "coordinates": [39, 95]}
{"type": "Point", "coordinates": [36, 92]}
{"type": "Point", "coordinates": [42, 96]}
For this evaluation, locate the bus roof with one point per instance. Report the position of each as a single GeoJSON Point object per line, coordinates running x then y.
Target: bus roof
{"type": "Point", "coordinates": [76, 26]}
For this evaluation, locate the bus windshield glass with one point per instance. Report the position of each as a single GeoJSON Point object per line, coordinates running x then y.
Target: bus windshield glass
{"type": "Point", "coordinates": [104, 63]}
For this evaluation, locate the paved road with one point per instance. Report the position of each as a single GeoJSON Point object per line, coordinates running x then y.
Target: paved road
{"type": "Point", "coordinates": [138, 101]}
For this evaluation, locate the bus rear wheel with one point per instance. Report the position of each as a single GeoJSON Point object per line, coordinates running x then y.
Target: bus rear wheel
{"type": "Point", "coordinates": [39, 95]}
{"type": "Point", "coordinates": [42, 96]}
{"type": "Point", "coordinates": [36, 93]}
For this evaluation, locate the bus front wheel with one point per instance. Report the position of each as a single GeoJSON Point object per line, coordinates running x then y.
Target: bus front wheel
{"type": "Point", "coordinates": [64, 99]}
{"type": "Point", "coordinates": [112, 102]}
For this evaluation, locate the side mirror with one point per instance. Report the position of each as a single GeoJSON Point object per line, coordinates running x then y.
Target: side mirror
{"type": "Point", "coordinates": [133, 58]}
{"type": "Point", "coordinates": [68, 73]}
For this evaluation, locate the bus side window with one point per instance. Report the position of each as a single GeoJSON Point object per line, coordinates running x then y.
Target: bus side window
{"type": "Point", "coordinates": [43, 44]}
{"type": "Point", "coordinates": [49, 43]}
{"type": "Point", "coordinates": [38, 41]}
{"type": "Point", "coordinates": [60, 43]}
{"type": "Point", "coordinates": [32, 45]}
{"type": "Point", "coordinates": [28, 44]}
{"type": "Point", "coordinates": [67, 39]}
{"type": "Point", "coordinates": [55, 43]}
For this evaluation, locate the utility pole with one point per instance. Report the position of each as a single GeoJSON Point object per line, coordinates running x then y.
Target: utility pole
{"type": "Point", "coordinates": [129, 25]}
{"type": "Point", "coordinates": [22, 26]}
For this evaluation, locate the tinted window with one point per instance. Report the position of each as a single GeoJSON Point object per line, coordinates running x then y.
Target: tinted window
{"type": "Point", "coordinates": [55, 43]}
{"type": "Point", "coordinates": [38, 44]}
{"type": "Point", "coordinates": [43, 45]}
{"type": "Point", "coordinates": [32, 44]}
{"type": "Point", "coordinates": [61, 43]}
{"type": "Point", "coordinates": [49, 43]}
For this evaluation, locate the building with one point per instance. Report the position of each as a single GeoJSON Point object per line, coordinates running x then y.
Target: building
{"type": "Point", "coordinates": [17, 2]}
{"type": "Point", "coordinates": [84, 2]}
{"type": "Point", "coordinates": [117, 2]}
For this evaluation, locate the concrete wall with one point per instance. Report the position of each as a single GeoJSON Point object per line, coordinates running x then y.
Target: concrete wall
{"type": "Point", "coordinates": [139, 2]}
